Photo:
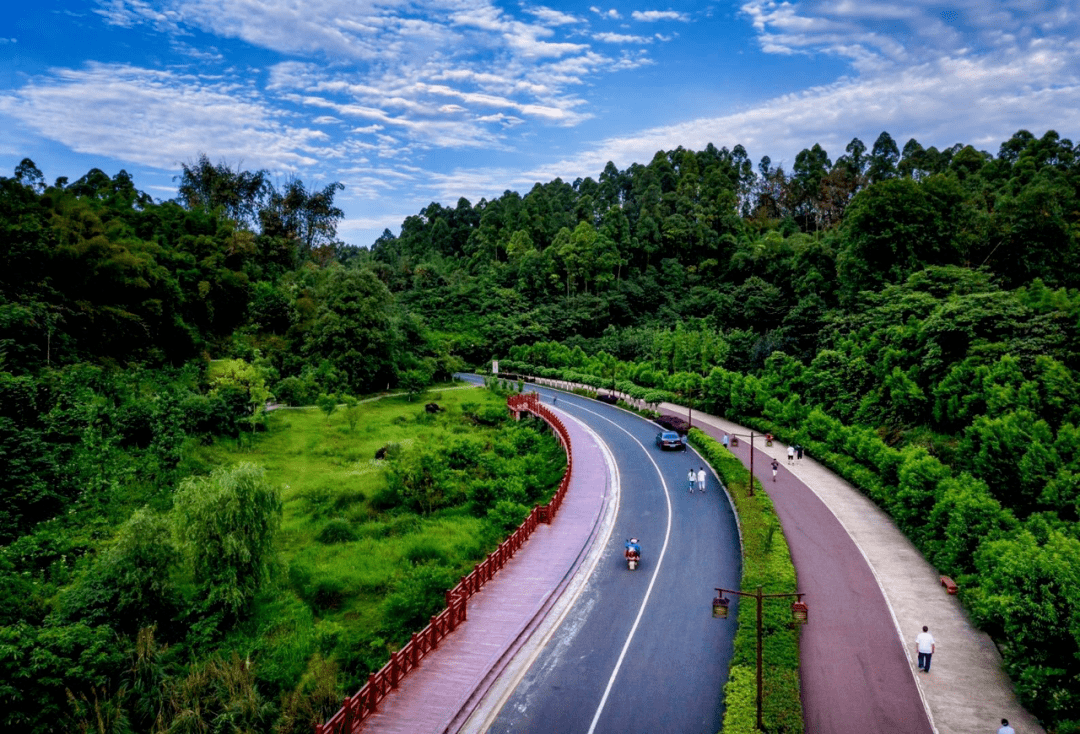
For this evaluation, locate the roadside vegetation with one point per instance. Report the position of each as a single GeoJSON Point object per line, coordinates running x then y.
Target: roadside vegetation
{"type": "Point", "coordinates": [766, 563]}
{"type": "Point", "coordinates": [281, 572]}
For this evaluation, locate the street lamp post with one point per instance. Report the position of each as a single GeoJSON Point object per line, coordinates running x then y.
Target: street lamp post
{"type": "Point", "coordinates": [752, 482]}
{"type": "Point", "coordinates": [750, 493]}
{"type": "Point", "coordinates": [799, 614]}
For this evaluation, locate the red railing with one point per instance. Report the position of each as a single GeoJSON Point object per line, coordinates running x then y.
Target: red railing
{"type": "Point", "coordinates": [364, 702]}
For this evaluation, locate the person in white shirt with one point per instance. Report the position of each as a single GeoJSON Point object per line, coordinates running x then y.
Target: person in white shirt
{"type": "Point", "coordinates": [1005, 728]}
{"type": "Point", "coordinates": [701, 479]}
{"type": "Point", "coordinates": [925, 644]}
{"type": "Point", "coordinates": [790, 454]}
{"type": "Point", "coordinates": [691, 477]}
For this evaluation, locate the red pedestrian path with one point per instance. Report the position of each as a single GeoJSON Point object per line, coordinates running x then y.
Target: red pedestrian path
{"type": "Point", "coordinates": [450, 683]}
{"type": "Point", "coordinates": [854, 669]}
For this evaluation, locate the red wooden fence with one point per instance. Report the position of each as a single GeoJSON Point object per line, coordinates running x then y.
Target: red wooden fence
{"type": "Point", "coordinates": [363, 703]}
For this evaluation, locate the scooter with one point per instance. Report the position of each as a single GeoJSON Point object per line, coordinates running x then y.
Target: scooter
{"type": "Point", "coordinates": [632, 553]}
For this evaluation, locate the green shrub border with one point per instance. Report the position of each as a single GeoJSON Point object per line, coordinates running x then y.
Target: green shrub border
{"type": "Point", "coordinates": [766, 563]}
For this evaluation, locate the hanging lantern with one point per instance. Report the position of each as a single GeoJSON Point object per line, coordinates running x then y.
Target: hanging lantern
{"type": "Point", "coordinates": [799, 612]}
{"type": "Point", "coordinates": [720, 607]}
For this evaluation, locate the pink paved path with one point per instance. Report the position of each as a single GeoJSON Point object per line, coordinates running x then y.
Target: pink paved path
{"type": "Point", "coordinates": [441, 694]}
{"type": "Point", "coordinates": [853, 668]}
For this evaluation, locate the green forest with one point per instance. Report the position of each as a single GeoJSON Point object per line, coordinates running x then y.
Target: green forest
{"type": "Point", "coordinates": [909, 314]}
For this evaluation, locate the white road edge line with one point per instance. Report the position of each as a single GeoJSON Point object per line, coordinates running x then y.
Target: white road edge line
{"type": "Point", "coordinates": [577, 586]}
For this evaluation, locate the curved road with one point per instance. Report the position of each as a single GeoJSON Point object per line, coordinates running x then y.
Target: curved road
{"type": "Point", "coordinates": [640, 650]}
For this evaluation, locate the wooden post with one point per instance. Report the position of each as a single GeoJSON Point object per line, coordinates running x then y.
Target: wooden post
{"type": "Point", "coordinates": [347, 718]}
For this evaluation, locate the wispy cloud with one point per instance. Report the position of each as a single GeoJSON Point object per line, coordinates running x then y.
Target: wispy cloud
{"type": "Point", "coordinates": [875, 35]}
{"type": "Point", "coordinates": [456, 73]}
{"type": "Point", "coordinates": [159, 118]}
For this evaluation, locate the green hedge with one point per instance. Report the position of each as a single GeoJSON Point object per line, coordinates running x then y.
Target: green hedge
{"type": "Point", "coordinates": [766, 563]}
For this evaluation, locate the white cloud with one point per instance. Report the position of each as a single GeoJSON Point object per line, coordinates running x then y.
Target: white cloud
{"type": "Point", "coordinates": [552, 17]}
{"type": "Point", "coordinates": [611, 14]}
{"type": "Point", "coordinates": [651, 16]}
{"type": "Point", "coordinates": [622, 38]}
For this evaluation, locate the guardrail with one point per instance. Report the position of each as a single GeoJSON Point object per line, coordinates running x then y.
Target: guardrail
{"type": "Point", "coordinates": [363, 703]}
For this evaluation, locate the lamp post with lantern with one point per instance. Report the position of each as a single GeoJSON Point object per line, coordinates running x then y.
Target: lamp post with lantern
{"type": "Point", "coordinates": [799, 615]}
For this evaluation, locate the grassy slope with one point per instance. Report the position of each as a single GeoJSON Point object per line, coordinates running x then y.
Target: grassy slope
{"type": "Point", "coordinates": [327, 598]}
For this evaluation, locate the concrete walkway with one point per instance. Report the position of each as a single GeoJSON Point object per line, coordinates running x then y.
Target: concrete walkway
{"type": "Point", "coordinates": [473, 668]}
{"type": "Point", "coordinates": [966, 692]}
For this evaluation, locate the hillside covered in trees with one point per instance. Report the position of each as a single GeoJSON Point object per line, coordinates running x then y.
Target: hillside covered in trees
{"type": "Point", "coordinates": [911, 315]}
{"type": "Point", "coordinates": [913, 311]}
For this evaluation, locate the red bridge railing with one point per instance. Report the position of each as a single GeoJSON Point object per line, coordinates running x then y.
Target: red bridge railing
{"type": "Point", "coordinates": [358, 707]}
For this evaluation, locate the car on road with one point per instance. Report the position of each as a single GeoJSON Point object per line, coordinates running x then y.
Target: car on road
{"type": "Point", "coordinates": [670, 440]}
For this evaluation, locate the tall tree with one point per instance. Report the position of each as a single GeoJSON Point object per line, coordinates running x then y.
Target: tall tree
{"type": "Point", "coordinates": [308, 217]}
{"type": "Point", "coordinates": [208, 185]}
{"type": "Point", "coordinates": [883, 158]}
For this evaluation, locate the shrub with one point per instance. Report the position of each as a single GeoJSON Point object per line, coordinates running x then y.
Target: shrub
{"type": "Point", "coordinates": [507, 515]}
{"type": "Point", "coordinates": [420, 594]}
{"type": "Point", "coordinates": [337, 530]}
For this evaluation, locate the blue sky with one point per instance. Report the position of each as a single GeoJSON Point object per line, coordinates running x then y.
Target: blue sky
{"type": "Point", "coordinates": [406, 102]}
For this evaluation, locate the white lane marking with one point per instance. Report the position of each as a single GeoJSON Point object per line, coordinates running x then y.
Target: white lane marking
{"type": "Point", "coordinates": [652, 581]}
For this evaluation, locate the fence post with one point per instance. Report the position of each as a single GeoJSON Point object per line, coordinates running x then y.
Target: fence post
{"type": "Point", "coordinates": [346, 720]}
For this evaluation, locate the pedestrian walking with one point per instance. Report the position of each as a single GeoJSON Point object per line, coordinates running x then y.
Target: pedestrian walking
{"type": "Point", "coordinates": [790, 454]}
{"type": "Point", "coordinates": [725, 441]}
{"type": "Point", "coordinates": [701, 479]}
{"type": "Point", "coordinates": [798, 451]}
{"type": "Point", "coordinates": [775, 468]}
{"type": "Point", "coordinates": [1005, 728]}
{"type": "Point", "coordinates": [692, 477]}
{"type": "Point", "coordinates": [924, 642]}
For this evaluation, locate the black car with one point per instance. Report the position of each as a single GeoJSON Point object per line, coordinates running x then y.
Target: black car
{"type": "Point", "coordinates": [670, 440]}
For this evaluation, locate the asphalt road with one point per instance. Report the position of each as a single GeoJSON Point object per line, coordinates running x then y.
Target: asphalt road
{"type": "Point", "coordinates": [640, 650]}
